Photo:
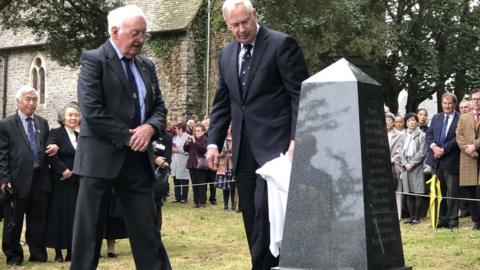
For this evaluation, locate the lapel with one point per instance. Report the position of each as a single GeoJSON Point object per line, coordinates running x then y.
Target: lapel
{"type": "Point", "coordinates": [66, 138]}
{"type": "Point", "coordinates": [21, 129]}
{"type": "Point", "coordinates": [261, 42]}
{"type": "Point", "coordinates": [232, 57]}
{"type": "Point", "coordinates": [143, 69]}
{"type": "Point", "coordinates": [115, 64]}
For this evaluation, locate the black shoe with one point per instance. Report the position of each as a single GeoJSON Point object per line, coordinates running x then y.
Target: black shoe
{"type": "Point", "coordinates": [214, 202]}
{"type": "Point", "coordinates": [33, 259]}
{"type": "Point", "coordinates": [442, 225]}
{"type": "Point", "coordinates": [464, 214]}
{"type": "Point", "coordinates": [14, 262]}
{"type": "Point", "coordinates": [415, 222]}
{"type": "Point", "coordinates": [451, 227]}
{"type": "Point", "coordinates": [225, 207]}
{"type": "Point", "coordinates": [58, 258]}
{"type": "Point", "coordinates": [408, 221]}
{"type": "Point", "coordinates": [476, 226]}
{"type": "Point", "coordinates": [111, 255]}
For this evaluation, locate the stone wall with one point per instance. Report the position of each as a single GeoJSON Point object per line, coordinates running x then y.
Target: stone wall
{"type": "Point", "coordinates": [178, 77]}
{"type": "Point", "coordinates": [60, 82]}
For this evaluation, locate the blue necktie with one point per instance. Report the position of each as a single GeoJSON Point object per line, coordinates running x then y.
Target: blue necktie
{"type": "Point", "coordinates": [137, 120]}
{"type": "Point", "coordinates": [245, 67]}
{"type": "Point", "coordinates": [32, 138]}
{"type": "Point", "coordinates": [443, 135]}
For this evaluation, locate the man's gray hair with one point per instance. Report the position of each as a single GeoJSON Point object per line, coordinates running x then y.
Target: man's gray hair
{"type": "Point", "coordinates": [117, 16]}
{"type": "Point", "coordinates": [23, 90]}
{"type": "Point", "coordinates": [230, 5]}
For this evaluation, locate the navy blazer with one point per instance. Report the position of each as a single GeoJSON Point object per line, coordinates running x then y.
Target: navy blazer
{"type": "Point", "coordinates": [451, 159]}
{"type": "Point", "coordinates": [267, 110]}
{"type": "Point", "coordinates": [107, 108]}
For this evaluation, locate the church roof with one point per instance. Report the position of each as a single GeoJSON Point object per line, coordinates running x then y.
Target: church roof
{"type": "Point", "coordinates": [161, 15]}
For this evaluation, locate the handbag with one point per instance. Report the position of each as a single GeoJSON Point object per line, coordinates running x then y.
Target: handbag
{"type": "Point", "coordinates": [202, 164]}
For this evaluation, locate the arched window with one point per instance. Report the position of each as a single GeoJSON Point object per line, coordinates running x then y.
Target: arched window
{"type": "Point", "coordinates": [37, 78]}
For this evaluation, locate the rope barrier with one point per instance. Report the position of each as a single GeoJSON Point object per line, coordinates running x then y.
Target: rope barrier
{"type": "Point", "coordinates": [443, 197]}
{"type": "Point", "coordinates": [201, 184]}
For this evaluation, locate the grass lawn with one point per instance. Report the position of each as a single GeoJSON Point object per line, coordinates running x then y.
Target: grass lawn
{"type": "Point", "coordinates": [212, 238]}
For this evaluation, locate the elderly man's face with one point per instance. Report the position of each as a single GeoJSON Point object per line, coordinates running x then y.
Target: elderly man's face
{"type": "Point", "coordinates": [464, 107]}
{"type": "Point", "coordinates": [28, 103]}
{"type": "Point", "coordinates": [242, 23]}
{"type": "Point", "coordinates": [130, 37]}
{"type": "Point", "coordinates": [448, 105]}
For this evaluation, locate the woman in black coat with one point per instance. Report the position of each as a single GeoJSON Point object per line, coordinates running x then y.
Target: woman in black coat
{"type": "Point", "coordinates": [63, 199]}
{"type": "Point", "coordinates": [196, 146]}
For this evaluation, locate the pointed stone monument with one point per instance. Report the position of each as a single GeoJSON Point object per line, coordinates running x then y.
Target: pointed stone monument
{"type": "Point", "coordinates": [341, 211]}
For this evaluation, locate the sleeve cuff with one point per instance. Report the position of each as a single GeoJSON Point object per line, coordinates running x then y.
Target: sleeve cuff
{"type": "Point", "coordinates": [212, 146]}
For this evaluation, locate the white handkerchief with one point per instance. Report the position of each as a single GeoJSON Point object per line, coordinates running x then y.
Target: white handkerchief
{"type": "Point", "coordinates": [277, 174]}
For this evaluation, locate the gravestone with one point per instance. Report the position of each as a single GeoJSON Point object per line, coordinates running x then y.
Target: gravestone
{"type": "Point", "coordinates": [341, 211]}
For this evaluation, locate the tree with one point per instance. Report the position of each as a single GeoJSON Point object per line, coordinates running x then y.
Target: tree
{"type": "Point", "coordinates": [67, 26]}
{"type": "Point", "coordinates": [420, 46]}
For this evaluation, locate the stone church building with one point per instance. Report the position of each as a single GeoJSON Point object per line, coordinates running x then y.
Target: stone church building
{"type": "Point", "coordinates": [23, 61]}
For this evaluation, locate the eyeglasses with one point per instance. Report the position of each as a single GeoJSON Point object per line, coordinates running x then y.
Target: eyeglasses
{"type": "Point", "coordinates": [476, 99]}
{"type": "Point", "coordinates": [136, 34]}
{"type": "Point", "coordinates": [245, 23]}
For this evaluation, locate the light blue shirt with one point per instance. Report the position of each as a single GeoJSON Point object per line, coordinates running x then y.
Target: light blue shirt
{"type": "Point", "coordinates": [138, 80]}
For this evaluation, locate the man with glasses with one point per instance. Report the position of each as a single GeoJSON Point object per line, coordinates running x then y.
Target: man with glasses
{"type": "Point", "coordinates": [123, 110]}
{"type": "Point", "coordinates": [260, 76]}
{"type": "Point", "coordinates": [468, 140]}
{"type": "Point", "coordinates": [443, 157]}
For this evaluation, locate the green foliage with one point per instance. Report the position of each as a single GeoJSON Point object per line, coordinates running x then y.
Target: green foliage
{"type": "Point", "coordinates": [162, 46]}
{"type": "Point", "coordinates": [68, 26]}
{"type": "Point", "coordinates": [421, 46]}
{"type": "Point", "coordinates": [199, 30]}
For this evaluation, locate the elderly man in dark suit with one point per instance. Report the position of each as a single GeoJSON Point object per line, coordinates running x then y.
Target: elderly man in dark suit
{"type": "Point", "coordinates": [444, 157]}
{"type": "Point", "coordinates": [123, 110]}
{"type": "Point", "coordinates": [23, 167]}
{"type": "Point", "coordinates": [260, 76]}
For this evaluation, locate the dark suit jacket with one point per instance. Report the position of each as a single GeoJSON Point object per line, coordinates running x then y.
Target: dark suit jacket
{"type": "Point", "coordinates": [16, 157]}
{"type": "Point", "coordinates": [66, 153]}
{"type": "Point", "coordinates": [107, 110]}
{"type": "Point", "coordinates": [451, 159]}
{"type": "Point", "coordinates": [267, 110]}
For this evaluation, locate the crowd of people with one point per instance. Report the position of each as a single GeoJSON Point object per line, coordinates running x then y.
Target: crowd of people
{"type": "Point", "coordinates": [447, 148]}
{"type": "Point", "coordinates": [105, 174]}
{"type": "Point", "coordinates": [177, 152]}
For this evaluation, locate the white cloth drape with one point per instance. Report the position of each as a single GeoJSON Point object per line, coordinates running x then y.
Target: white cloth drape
{"type": "Point", "coordinates": [277, 174]}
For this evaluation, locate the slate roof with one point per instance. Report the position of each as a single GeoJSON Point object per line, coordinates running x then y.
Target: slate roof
{"type": "Point", "coordinates": [162, 16]}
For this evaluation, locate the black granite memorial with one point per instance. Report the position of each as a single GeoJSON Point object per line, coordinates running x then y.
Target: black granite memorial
{"type": "Point", "coordinates": [341, 211]}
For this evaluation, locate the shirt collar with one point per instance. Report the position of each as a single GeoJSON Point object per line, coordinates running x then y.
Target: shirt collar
{"type": "Point", "coordinates": [23, 116]}
{"type": "Point", "coordinates": [117, 50]}
{"type": "Point", "coordinates": [253, 41]}
{"type": "Point", "coordinates": [447, 114]}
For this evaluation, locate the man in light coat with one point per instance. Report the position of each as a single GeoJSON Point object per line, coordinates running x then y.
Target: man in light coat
{"type": "Point", "coordinates": [469, 143]}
